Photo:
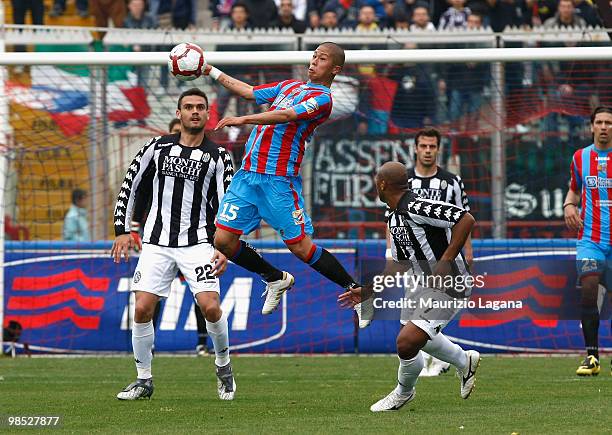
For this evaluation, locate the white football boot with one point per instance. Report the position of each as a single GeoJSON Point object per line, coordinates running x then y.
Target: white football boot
{"type": "Point", "coordinates": [226, 384]}
{"type": "Point", "coordinates": [468, 378]}
{"type": "Point", "coordinates": [274, 292]}
{"type": "Point", "coordinates": [392, 401]}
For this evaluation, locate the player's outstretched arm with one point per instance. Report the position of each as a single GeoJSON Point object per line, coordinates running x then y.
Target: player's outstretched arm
{"type": "Point", "coordinates": [265, 118]}
{"type": "Point", "coordinates": [238, 87]}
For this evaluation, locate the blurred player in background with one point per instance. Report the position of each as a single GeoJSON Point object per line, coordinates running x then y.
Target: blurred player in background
{"type": "Point", "coordinates": [144, 197]}
{"type": "Point", "coordinates": [191, 175]}
{"type": "Point", "coordinates": [268, 185]}
{"type": "Point", "coordinates": [427, 240]}
{"type": "Point", "coordinates": [591, 190]}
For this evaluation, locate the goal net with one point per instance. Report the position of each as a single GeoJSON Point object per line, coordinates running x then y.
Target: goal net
{"type": "Point", "coordinates": [75, 128]}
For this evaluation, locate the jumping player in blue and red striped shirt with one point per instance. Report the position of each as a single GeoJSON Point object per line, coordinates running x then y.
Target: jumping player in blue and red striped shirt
{"type": "Point", "coordinates": [591, 187]}
{"type": "Point", "coordinates": [268, 185]}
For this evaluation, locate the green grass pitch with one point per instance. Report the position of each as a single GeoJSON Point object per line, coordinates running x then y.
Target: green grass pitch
{"type": "Point", "coordinates": [307, 395]}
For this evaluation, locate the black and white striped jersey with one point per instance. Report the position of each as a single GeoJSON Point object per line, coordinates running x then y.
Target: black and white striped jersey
{"type": "Point", "coordinates": [188, 185]}
{"type": "Point", "coordinates": [443, 186]}
{"type": "Point", "coordinates": [420, 231]}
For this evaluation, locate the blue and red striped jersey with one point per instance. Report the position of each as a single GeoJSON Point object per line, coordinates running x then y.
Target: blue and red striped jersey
{"type": "Point", "coordinates": [591, 177]}
{"type": "Point", "coordinates": [279, 149]}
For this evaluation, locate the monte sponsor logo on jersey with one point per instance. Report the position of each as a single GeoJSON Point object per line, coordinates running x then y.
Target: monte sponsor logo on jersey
{"type": "Point", "coordinates": [433, 194]}
{"type": "Point", "coordinates": [180, 167]}
{"type": "Point", "coordinates": [401, 235]}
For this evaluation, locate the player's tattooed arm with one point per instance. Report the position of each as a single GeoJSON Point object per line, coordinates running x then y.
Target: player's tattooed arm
{"type": "Point", "coordinates": [238, 87]}
{"type": "Point", "coordinates": [264, 118]}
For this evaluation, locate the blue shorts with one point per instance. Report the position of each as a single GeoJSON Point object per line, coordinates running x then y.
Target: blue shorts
{"type": "Point", "coordinates": [276, 199]}
{"type": "Point", "coordinates": [594, 259]}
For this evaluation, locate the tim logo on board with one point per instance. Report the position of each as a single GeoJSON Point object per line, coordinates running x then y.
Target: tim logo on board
{"type": "Point", "coordinates": [240, 302]}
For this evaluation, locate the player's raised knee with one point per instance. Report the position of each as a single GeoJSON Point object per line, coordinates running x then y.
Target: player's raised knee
{"type": "Point", "coordinates": [302, 249]}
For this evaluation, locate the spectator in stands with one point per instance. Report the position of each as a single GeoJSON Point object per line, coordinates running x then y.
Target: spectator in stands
{"type": "Point", "coordinates": [375, 103]}
{"type": "Point", "coordinates": [388, 20]}
{"type": "Point", "coordinates": [585, 9]}
{"type": "Point", "coordinates": [315, 12]}
{"type": "Point", "coordinates": [239, 20]}
{"type": "Point", "coordinates": [402, 8]}
{"type": "Point", "coordinates": [137, 18]}
{"type": "Point", "coordinates": [566, 16]}
{"type": "Point", "coordinates": [59, 6]}
{"type": "Point", "coordinates": [105, 10]}
{"type": "Point", "coordinates": [76, 225]}
{"type": "Point", "coordinates": [37, 13]}
{"type": "Point", "coordinates": [481, 7]}
{"type": "Point", "coordinates": [15, 231]}
{"type": "Point", "coordinates": [299, 8]}
{"type": "Point", "coordinates": [464, 83]}
{"type": "Point", "coordinates": [420, 19]}
{"type": "Point", "coordinates": [261, 12]}
{"type": "Point", "coordinates": [366, 21]}
{"type": "Point", "coordinates": [401, 21]}
{"type": "Point", "coordinates": [177, 14]}
{"type": "Point", "coordinates": [11, 333]}
{"type": "Point", "coordinates": [414, 105]}
{"type": "Point", "coordinates": [286, 18]}
{"type": "Point", "coordinates": [329, 20]}
{"type": "Point", "coordinates": [455, 17]}
{"type": "Point", "coordinates": [348, 10]}
{"type": "Point", "coordinates": [504, 13]}
{"type": "Point", "coordinates": [220, 10]}
{"type": "Point", "coordinates": [542, 10]}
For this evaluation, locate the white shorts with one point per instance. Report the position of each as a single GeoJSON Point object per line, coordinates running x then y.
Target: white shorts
{"type": "Point", "coordinates": [158, 265]}
{"type": "Point", "coordinates": [433, 311]}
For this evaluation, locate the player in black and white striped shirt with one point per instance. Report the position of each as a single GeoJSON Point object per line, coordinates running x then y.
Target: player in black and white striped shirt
{"type": "Point", "coordinates": [427, 236]}
{"type": "Point", "coordinates": [190, 176]}
{"type": "Point", "coordinates": [428, 180]}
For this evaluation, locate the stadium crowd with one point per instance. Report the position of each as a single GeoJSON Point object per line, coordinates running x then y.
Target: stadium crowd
{"type": "Point", "coordinates": [363, 15]}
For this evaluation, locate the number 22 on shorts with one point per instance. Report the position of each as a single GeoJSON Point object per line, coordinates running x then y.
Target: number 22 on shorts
{"type": "Point", "coordinates": [204, 273]}
{"type": "Point", "coordinates": [229, 212]}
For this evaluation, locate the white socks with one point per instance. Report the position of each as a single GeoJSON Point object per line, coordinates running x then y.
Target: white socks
{"type": "Point", "coordinates": [218, 334]}
{"type": "Point", "coordinates": [408, 374]}
{"type": "Point", "coordinates": [143, 336]}
{"type": "Point", "coordinates": [444, 349]}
